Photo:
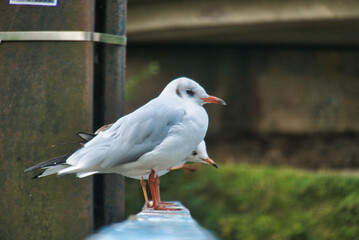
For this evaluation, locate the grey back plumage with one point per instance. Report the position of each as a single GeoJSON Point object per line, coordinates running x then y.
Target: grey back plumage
{"type": "Point", "coordinates": [131, 137]}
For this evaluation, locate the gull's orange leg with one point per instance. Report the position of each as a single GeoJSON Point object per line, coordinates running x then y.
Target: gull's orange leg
{"type": "Point", "coordinates": [157, 188]}
{"type": "Point", "coordinates": [176, 168]}
{"type": "Point", "coordinates": [186, 167]}
{"type": "Point", "coordinates": [154, 187]}
{"type": "Point", "coordinates": [158, 194]}
{"type": "Point", "coordinates": [143, 185]}
{"type": "Point", "coordinates": [151, 183]}
{"type": "Point", "coordinates": [156, 198]}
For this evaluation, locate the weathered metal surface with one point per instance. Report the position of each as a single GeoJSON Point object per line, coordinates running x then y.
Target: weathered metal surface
{"type": "Point", "coordinates": [150, 224]}
{"type": "Point", "coordinates": [276, 21]}
{"type": "Point", "coordinates": [45, 97]}
{"type": "Point", "coordinates": [110, 77]}
{"type": "Point", "coordinates": [67, 16]}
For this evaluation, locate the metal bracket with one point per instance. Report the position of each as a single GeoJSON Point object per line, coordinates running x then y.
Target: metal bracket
{"type": "Point", "coordinates": [63, 36]}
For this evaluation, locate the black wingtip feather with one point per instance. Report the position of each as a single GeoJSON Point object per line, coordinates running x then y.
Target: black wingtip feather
{"type": "Point", "coordinates": [86, 136]}
{"type": "Point", "coordinates": [37, 175]}
{"type": "Point", "coordinates": [52, 162]}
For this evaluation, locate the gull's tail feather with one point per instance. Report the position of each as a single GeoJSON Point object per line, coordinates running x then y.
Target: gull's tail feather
{"type": "Point", "coordinates": [37, 175]}
{"type": "Point", "coordinates": [51, 170]}
{"type": "Point", "coordinates": [51, 166]}
{"type": "Point", "coordinates": [85, 174]}
{"type": "Point", "coordinates": [67, 164]}
{"type": "Point", "coordinates": [50, 163]}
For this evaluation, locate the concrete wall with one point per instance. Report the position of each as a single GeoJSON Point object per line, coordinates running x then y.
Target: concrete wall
{"type": "Point", "coordinates": [268, 89]}
{"type": "Point", "coordinates": [232, 21]}
{"type": "Point", "coordinates": [307, 90]}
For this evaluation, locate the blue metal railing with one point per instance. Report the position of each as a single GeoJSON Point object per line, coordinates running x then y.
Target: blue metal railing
{"type": "Point", "coordinates": [150, 224]}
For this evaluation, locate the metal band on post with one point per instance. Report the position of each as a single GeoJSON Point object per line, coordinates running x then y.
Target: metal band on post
{"type": "Point", "coordinates": [63, 36]}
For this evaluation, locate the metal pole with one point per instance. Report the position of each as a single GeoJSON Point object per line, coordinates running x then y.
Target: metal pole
{"type": "Point", "coordinates": [109, 199]}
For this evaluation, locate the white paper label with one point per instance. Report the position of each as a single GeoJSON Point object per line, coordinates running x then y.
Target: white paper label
{"type": "Point", "coordinates": [34, 2]}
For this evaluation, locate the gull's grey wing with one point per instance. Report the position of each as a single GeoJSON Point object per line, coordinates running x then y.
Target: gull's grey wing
{"type": "Point", "coordinates": [140, 134]}
{"type": "Point", "coordinates": [129, 138]}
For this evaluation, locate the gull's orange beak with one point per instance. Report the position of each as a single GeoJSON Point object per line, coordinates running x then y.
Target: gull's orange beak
{"type": "Point", "coordinates": [210, 162]}
{"type": "Point", "coordinates": [213, 99]}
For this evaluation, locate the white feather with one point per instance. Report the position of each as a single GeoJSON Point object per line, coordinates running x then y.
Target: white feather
{"type": "Point", "coordinates": [52, 170]}
{"type": "Point", "coordinates": [85, 174]}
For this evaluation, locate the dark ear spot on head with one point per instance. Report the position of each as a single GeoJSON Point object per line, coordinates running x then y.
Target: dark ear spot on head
{"type": "Point", "coordinates": [178, 92]}
{"type": "Point", "coordinates": [190, 92]}
{"type": "Point", "coordinates": [194, 153]}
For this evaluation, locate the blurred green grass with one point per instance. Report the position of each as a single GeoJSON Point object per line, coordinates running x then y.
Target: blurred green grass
{"type": "Point", "coordinates": [240, 201]}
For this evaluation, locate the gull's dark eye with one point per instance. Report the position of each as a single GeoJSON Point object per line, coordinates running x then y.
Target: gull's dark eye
{"type": "Point", "coordinates": [194, 153]}
{"type": "Point", "coordinates": [190, 92]}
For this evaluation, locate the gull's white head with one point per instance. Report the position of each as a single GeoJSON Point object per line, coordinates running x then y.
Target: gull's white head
{"type": "Point", "coordinates": [200, 155]}
{"type": "Point", "coordinates": [190, 91]}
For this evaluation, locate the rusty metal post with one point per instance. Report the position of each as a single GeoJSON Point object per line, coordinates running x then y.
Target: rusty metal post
{"type": "Point", "coordinates": [45, 98]}
{"type": "Point", "coordinates": [110, 74]}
